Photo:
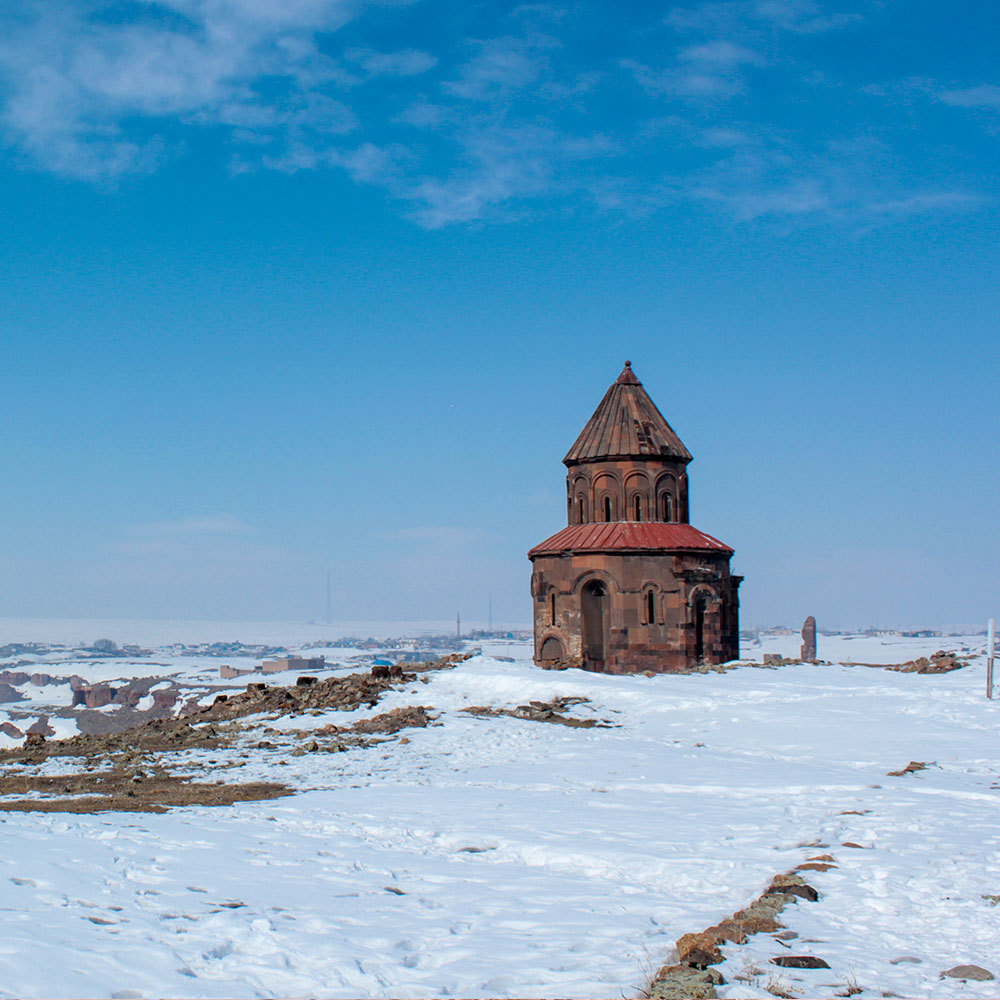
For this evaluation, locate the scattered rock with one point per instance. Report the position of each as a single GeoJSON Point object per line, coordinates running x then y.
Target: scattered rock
{"type": "Point", "coordinates": [729, 930]}
{"type": "Point", "coordinates": [676, 982]}
{"type": "Point", "coordinates": [799, 962]}
{"type": "Point", "coordinates": [542, 711]}
{"type": "Point", "coordinates": [791, 885]}
{"type": "Point", "coordinates": [698, 950]}
{"type": "Point", "coordinates": [940, 662]}
{"type": "Point", "coordinates": [913, 766]}
{"type": "Point", "coordinates": [905, 960]}
{"type": "Point", "coordinates": [969, 972]}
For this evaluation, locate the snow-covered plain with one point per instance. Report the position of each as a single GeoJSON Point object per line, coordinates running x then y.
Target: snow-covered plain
{"type": "Point", "coordinates": [497, 857]}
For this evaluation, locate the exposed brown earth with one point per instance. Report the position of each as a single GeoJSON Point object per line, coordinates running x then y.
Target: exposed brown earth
{"type": "Point", "coordinates": [129, 770]}
{"type": "Point", "coordinates": [123, 789]}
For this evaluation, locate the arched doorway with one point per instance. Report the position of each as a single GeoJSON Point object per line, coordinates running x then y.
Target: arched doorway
{"type": "Point", "coordinates": [594, 612]}
{"type": "Point", "coordinates": [551, 649]}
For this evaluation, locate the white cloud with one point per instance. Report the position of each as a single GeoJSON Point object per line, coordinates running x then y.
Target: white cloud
{"type": "Point", "coordinates": [512, 120]}
{"type": "Point", "coordinates": [985, 95]}
{"type": "Point", "coordinates": [406, 62]}
{"type": "Point", "coordinates": [73, 78]}
{"type": "Point", "coordinates": [710, 69]}
{"type": "Point", "coordinates": [928, 201]}
{"type": "Point", "coordinates": [501, 65]}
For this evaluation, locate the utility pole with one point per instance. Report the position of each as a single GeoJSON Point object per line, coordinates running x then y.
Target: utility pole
{"type": "Point", "coordinates": [991, 635]}
{"type": "Point", "coordinates": [458, 625]}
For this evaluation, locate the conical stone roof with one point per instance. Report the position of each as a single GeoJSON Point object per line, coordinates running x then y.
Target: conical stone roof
{"type": "Point", "coordinates": [626, 424]}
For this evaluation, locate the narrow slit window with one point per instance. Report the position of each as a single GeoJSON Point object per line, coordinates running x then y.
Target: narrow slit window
{"type": "Point", "coordinates": [607, 508]}
{"type": "Point", "coordinates": [650, 607]}
{"type": "Point", "coordinates": [666, 507]}
{"type": "Point", "coordinates": [579, 510]}
{"type": "Point", "coordinates": [638, 508]}
{"type": "Point", "coordinates": [552, 608]}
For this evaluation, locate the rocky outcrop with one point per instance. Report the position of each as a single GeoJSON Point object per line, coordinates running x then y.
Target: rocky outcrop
{"type": "Point", "coordinates": [93, 696]}
{"type": "Point", "coordinates": [9, 694]}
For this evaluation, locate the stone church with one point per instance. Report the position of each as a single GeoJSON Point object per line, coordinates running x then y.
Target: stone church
{"type": "Point", "coordinates": [631, 584]}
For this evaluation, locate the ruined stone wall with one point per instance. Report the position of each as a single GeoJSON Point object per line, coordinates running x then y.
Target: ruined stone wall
{"type": "Point", "coordinates": [666, 584]}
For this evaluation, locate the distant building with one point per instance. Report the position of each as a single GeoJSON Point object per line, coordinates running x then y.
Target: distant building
{"type": "Point", "coordinates": [275, 666]}
{"type": "Point", "coordinates": [630, 584]}
{"type": "Point", "coordinates": [292, 663]}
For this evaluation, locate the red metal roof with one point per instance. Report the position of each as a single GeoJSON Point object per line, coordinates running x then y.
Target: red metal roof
{"type": "Point", "coordinates": [627, 535]}
{"type": "Point", "coordinates": [626, 424]}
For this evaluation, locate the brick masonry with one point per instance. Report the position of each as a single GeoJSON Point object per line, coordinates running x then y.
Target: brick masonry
{"type": "Point", "coordinates": [620, 606]}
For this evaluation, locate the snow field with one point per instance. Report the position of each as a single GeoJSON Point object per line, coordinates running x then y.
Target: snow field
{"type": "Point", "coordinates": [498, 857]}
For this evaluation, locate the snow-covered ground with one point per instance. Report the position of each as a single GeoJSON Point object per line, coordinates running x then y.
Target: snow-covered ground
{"type": "Point", "coordinates": [497, 857]}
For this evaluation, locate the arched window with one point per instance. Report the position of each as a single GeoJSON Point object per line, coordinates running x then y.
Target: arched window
{"type": "Point", "coordinates": [638, 507]}
{"type": "Point", "coordinates": [552, 608]}
{"type": "Point", "coordinates": [666, 507]}
{"type": "Point", "coordinates": [650, 607]}
{"type": "Point", "coordinates": [607, 508]}
{"type": "Point", "coordinates": [579, 510]}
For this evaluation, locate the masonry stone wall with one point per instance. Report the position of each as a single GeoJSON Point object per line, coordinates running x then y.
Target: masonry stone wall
{"type": "Point", "coordinates": [669, 584]}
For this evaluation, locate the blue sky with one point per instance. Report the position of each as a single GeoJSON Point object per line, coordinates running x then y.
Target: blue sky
{"type": "Point", "coordinates": [313, 285]}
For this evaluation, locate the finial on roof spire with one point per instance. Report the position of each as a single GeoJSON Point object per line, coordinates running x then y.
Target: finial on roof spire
{"type": "Point", "coordinates": [627, 377]}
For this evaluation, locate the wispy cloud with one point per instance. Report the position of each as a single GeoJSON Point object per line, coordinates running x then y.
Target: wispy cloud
{"type": "Point", "coordinates": [710, 69]}
{"type": "Point", "coordinates": [405, 62]}
{"type": "Point", "coordinates": [737, 17]}
{"type": "Point", "coordinates": [487, 126]}
{"type": "Point", "coordinates": [500, 66]}
{"type": "Point", "coordinates": [986, 95]}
